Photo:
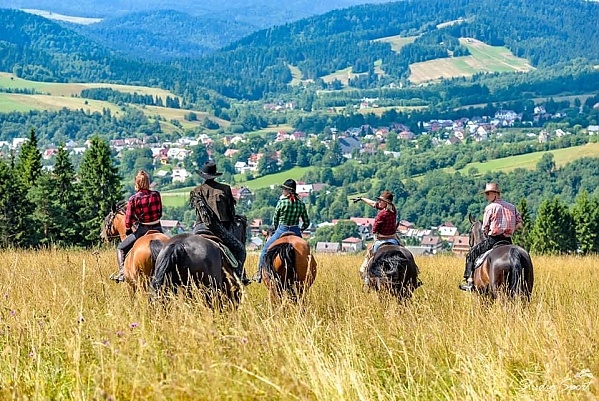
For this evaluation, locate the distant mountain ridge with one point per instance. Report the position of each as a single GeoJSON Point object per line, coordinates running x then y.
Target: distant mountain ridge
{"type": "Point", "coordinates": [259, 65]}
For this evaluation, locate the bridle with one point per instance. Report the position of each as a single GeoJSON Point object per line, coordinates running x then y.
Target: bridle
{"type": "Point", "coordinates": [108, 224]}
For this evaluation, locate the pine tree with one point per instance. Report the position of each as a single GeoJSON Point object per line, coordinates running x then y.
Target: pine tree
{"type": "Point", "coordinates": [15, 222]}
{"type": "Point", "coordinates": [101, 188]}
{"type": "Point", "coordinates": [553, 232]}
{"type": "Point", "coordinates": [29, 162]}
{"type": "Point", "coordinates": [68, 196]}
{"type": "Point", "coordinates": [522, 237]}
{"type": "Point", "coordinates": [586, 218]}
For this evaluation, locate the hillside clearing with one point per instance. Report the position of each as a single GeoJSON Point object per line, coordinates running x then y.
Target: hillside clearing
{"type": "Point", "coordinates": [60, 17]}
{"type": "Point", "coordinates": [483, 58]}
{"type": "Point", "coordinates": [530, 160]}
{"type": "Point", "coordinates": [397, 41]}
{"type": "Point", "coordinates": [8, 80]}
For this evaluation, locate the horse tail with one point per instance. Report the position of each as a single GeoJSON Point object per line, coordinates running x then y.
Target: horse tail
{"type": "Point", "coordinates": [155, 248]}
{"type": "Point", "coordinates": [517, 283]}
{"type": "Point", "coordinates": [399, 268]}
{"type": "Point", "coordinates": [286, 253]}
{"type": "Point", "coordinates": [166, 261]}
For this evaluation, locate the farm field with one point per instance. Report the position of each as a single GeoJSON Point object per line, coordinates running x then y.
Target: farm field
{"type": "Point", "coordinates": [397, 41]}
{"type": "Point", "coordinates": [483, 58]}
{"type": "Point", "coordinates": [67, 332]}
{"type": "Point", "coordinates": [530, 160]}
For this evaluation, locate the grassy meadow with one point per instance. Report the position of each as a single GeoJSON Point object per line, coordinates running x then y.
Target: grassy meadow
{"type": "Point", "coordinates": [67, 332]}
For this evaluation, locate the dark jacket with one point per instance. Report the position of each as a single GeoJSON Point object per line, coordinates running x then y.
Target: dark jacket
{"type": "Point", "coordinates": [220, 199]}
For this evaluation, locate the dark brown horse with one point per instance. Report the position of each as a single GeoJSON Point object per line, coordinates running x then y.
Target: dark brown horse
{"type": "Point", "coordinates": [289, 267]}
{"type": "Point", "coordinates": [140, 260]}
{"type": "Point", "coordinates": [506, 268]}
{"type": "Point", "coordinates": [198, 261]}
{"type": "Point", "coordinates": [399, 271]}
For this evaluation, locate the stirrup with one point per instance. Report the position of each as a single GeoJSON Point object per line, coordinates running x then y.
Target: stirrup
{"type": "Point", "coordinates": [467, 286]}
{"type": "Point", "coordinates": [117, 276]}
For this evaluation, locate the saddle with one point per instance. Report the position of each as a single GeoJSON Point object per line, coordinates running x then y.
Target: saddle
{"type": "Point", "coordinates": [479, 261]}
{"type": "Point", "coordinates": [287, 233]}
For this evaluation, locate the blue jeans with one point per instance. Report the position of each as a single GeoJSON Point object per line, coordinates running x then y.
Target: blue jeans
{"type": "Point", "coordinates": [276, 235]}
{"type": "Point", "coordinates": [380, 242]}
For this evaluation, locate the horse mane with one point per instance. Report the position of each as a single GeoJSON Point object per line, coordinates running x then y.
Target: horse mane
{"type": "Point", "coordinates": [203, 211]}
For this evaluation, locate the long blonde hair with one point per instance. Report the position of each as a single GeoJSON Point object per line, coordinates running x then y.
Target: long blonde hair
{"type": "Point", "coordinates": [142, 180]}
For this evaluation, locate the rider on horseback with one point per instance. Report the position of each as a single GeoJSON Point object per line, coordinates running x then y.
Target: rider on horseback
{"type": "Point", "coordinates": [144, 209]}
{"type": "Point", "coordinates": [384, 228]}
{"type": "Point", "coordinates": [220, 199]}
{"type": "Point", "coordinates": [500, 221]}
{"type": "Point", "coordinates": [289, 210]}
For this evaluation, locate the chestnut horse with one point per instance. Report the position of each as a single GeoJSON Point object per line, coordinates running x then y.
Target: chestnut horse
{"type": "Point", "coordinates": [140, 260]}
{"type": "Point", "coordinates": [506, 268]}
{"type": "Point", "coordinates": [289, 266]}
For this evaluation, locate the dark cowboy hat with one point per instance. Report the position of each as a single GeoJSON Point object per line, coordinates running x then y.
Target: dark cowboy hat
{"type": "Point", "coordinates": [289, 185]}
{"type": "Point", "coordinates": [209, 171]}
{"type": "Point", "coordinates": [491, 187]}
{"type": "Point", "coordinates": [386, 196]}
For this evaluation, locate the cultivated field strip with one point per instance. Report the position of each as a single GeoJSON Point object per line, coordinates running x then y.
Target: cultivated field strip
{"type": "Point", "coordinates": [67, 332]}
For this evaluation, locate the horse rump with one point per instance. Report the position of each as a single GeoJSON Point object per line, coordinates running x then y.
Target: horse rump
{"type": "Point", "coordinates": [283, 274]}
{"type": "Point", "coordinates": [520, 275]}
{"type": "Point", "coordinates": [155, 248]}
{"type": "Point", "coordinates": [167, 260]}
{"type": "Point", "coordinates": [397, 269]}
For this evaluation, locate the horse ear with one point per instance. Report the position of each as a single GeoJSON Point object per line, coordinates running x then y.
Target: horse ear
{"type": "Point", "coordinates": [472, 221]}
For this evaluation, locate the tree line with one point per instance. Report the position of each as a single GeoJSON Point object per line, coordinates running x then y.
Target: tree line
{"type": "Point", "coordinates": [61, 207]}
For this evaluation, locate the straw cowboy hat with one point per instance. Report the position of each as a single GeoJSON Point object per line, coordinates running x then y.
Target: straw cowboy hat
{"type": "Point", "coordinates": [289, 185]}
{"type": "Point", "coordinates": [386, 196]}
{"type": "Point", "coordinates": [491, 187]}
{"type": "Point", "coordinates": [209, 171]}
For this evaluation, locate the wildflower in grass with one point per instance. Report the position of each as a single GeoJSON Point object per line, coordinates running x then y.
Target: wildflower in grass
{"type": "Point", "coordinates": [120, 333]}
{"type": "Point", "coordinates": [13, 312]}
{"type": "Point", "coordinates": [243, 340]}
{"type": "Point", "coordinates": [133, 325]}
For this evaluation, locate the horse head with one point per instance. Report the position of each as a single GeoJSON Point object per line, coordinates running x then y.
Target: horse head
{"type": "Point", "coordinates": [113, 226]}
{"type": "Point", "coordinates": [476, 231]}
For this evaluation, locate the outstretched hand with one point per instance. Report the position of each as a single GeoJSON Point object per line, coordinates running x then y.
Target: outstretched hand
{"type": "Point", "coordinates": [356, 200]}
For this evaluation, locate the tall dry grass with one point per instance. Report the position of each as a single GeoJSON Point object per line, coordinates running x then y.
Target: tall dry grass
{"type": "Point", "coordinates": [67, 332]}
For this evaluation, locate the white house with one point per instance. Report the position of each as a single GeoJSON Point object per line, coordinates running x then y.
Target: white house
{"type": "Point", "coordinates": [352, 244]}
{"type": "Point", "coordinates": [180, 174]}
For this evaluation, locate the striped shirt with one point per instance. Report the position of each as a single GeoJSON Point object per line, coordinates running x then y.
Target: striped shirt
{"type": "Point", "coordinates": [288, 213]}
{"type": "Point", "coordinates": [501, 218]}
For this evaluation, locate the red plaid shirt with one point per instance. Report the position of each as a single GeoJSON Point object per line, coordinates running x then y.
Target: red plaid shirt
{"type": "Point", "coordinates": [144, 206]}
{"type": "Point", "coordinates": [384, 222]}
{"type": "Point", "coordinates": [501, 218]}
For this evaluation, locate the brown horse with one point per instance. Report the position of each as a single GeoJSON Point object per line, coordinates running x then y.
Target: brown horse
{"type": "Point", "coordinates": [139, 262]}
{"type": "Point", "coordinates": [289, 267]}
{"type": "Point", "coordinates": [506, 268]}
{"type": "Point", "coordinates": [399, 271]}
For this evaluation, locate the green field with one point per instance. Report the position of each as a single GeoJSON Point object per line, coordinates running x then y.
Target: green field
{"type": "Point", "coordinates": [483, 58]}
{"type": "Point", "coordinates": [530, 160]}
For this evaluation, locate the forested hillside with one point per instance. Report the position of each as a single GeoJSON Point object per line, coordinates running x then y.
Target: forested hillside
{"type": "Point", "coordinates": [555, 38]}
{"type": "Point", "coordinates": [164, 34]}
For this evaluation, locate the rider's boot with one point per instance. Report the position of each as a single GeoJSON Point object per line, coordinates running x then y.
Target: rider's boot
{"type": "Point", "coordinates": [242, 276]}
{"type": "Point", "coordinates": [258, 276]}
{"type": "Point", "coordinates": [467, 284]}
{"type": "Point", "coordinates": [120, 257]}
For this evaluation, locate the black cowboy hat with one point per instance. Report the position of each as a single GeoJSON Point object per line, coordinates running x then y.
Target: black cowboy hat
{"type": "Point", "coordinates": [289, 185]}
{"type": "Point", "coordinates": [209, 171]}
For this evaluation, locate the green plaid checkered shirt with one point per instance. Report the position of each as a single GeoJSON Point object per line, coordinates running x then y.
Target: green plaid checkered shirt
{"type": "Point", "coordinates": [288, 213]}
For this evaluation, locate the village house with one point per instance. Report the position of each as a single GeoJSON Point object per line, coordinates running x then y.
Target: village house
{"type": "Point", "coordinates": [255, 226]}
{"type": "Point", "coordinates": [180, 174]}
{"type": "Point", "coordinates": [242, 194]}
{"type": "Point", "coordinates": [447, 231]}
{"type": "Point", "coordinates": [352, 244]}
{"type": "Point", "coordinates": [172, 226]}
{"type": "Point", "coordinates": [432, 243]}
{"type": "Point", "coordinates": [461, 245]}
{"type": "Point", "coordinates": [328, 247]}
